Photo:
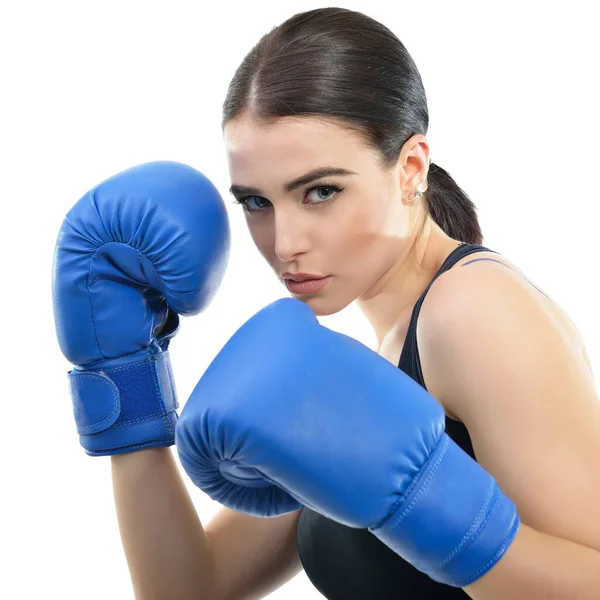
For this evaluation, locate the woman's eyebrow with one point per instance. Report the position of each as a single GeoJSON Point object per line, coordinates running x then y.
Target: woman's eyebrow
{"type": "Point", "coordinates": [296, 183]}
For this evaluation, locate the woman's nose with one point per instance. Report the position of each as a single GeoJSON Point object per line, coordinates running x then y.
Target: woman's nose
{"type": "Point", "coordinates": [291, 235]}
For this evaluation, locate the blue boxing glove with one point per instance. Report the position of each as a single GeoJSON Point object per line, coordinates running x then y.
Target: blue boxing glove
{"type": "Point", "coordinates": [291, 413]}
{"type": "Point", "coordinates": [142, 247]}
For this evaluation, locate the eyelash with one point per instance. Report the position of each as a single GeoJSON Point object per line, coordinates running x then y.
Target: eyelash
{"type": "Point", "coordinates": [244, 201]}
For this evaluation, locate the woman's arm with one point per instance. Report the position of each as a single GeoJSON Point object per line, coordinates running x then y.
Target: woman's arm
{"type": "Point", "coordinates": [496, 354]}
{"type": "Point", "coordinates": [172, 556]}
{"type": "Point", "coordinates": [167, 550]}
{"type": "Point", "coordinates": [538, 565]}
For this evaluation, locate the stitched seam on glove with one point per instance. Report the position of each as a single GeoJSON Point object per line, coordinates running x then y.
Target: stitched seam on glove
{"type": "Point", "coordinates": [476, 527]}
{"type": "Point", "coordinates": [142, 419]}
{"type": "Point", "coordinates": [507, 541]}
{"type": "Point", "coordinates": [167, 423]}
{"type": "Point", "coordinates": [441, 446]}
{"type": "Point", "coordinates": [160, 443]}
{"type": "Point", "coordinates": [150, 358]}
{"type": "Point", "coordinates": [157, 388]}
{"type": "Point", "coordinates": [171, 379]}
{"type": "Point", "coordinates": [87, 285]}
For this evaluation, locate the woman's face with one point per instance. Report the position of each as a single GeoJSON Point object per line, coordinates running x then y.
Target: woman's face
{"type": "Point", "coordinates": [348, 228]}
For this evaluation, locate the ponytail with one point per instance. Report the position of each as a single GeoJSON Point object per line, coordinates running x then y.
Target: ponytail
{"type": "Point", "coordinates": [450, 207]}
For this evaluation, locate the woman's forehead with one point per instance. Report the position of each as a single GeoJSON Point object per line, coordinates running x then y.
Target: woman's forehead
{"type": "Point", "coordinates": [244, 133]}
{"type": "Point", "coordinates": [289, 146]}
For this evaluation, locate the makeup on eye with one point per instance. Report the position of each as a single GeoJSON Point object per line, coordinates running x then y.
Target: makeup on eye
{"type": "Point", "coordinates": [244, 200]}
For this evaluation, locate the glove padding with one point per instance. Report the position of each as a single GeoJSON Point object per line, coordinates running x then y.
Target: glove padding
{"type": "Point", "coordinates": [292, 414]}
{"type": "Point", "coordinates": [132, 253]}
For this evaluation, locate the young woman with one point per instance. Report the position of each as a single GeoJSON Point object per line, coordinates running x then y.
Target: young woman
{"type": "Point", "coordinates": [325, 123]}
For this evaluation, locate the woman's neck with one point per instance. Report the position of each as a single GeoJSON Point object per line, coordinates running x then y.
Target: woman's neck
{"type": "Point", "coordinates": [392, 299]}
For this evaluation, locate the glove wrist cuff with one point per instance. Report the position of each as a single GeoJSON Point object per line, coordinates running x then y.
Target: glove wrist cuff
{"type": "Point", "coordinates": [123, 407]}
{"type": "Point", "coordinates": [455, 523]}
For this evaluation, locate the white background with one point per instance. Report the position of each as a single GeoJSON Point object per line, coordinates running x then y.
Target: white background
{"type": "Point", "coordinates": [91, 88]}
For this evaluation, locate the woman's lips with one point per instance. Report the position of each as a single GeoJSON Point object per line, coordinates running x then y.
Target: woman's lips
{"type": "Point", "coordinates": [306, 286]}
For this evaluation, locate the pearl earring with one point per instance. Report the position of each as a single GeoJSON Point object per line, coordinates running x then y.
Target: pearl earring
{"type": "Point", "coordinates": [421, 189]}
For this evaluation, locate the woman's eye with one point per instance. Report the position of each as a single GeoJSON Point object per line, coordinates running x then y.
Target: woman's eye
{"type": "Point", "coordinates": [325, 193]}
{"type": "Point", "coordinates": [321, 194]}
{"type": "Point", "coordinates": [255, 203]}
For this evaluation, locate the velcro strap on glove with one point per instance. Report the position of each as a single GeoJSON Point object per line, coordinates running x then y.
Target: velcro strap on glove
{"type": "Point", "coordinates": [130, 396]}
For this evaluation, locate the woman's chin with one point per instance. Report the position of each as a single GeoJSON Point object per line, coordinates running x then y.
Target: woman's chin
{"type": "Point", "coordinates": [322, 306]}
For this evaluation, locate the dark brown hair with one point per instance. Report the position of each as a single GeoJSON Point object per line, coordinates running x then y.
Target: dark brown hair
{"type": "Point", "coordinates": [341, 64]}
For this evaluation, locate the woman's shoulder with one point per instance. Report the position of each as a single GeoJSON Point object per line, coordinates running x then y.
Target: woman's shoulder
{"type": "Point", "coordinates": [493, 296]}
{"type": "Point", "coordinates": [490, 277]}
{"type": "Point", "coordinates": [488, 261]}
